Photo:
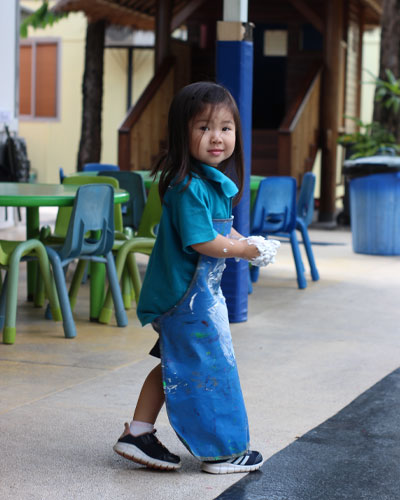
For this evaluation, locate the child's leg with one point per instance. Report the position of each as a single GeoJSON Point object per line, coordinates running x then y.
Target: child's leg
{"type": "Point", "coordinates": [151, 398]}
{"type": "Point", "coordinates": [138, 442]}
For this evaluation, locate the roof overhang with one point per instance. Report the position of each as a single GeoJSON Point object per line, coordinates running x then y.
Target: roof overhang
{"type": "Point", "coordinates": [118, 12]}
{"type": "Point", "coordinates": [373, 12]}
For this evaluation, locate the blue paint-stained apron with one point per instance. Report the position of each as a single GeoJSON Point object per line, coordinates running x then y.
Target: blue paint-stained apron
{"type": "Point", "coordinates": [202, 389]}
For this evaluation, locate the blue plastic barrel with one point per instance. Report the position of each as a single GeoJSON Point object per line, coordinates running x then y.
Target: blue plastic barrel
{"type": "Point", "coordinates": [375, 214]}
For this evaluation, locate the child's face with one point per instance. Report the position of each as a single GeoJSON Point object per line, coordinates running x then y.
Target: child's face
{"type": "Point", "coordinates": [212, 135]}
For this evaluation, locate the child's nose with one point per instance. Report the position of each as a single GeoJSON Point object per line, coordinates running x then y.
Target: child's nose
{"type": "Point", "coordinates": [216, 136]}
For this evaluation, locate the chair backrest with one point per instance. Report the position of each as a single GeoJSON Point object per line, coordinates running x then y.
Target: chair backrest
{"type": "Point", "coordinates": [274, 209]}
{"type": "Point", "coordinates": [132, 182]}
{"type": "Point", "coordinates": [91, 226]}
{"type": "Point", "coordinates": [151, 214]}
{"type": "Point", "coordinates": [305, 202]}
{"type": "Point", "coordinates": [64, 213]}
{"type": "Point", "coordinates": [90, 167]}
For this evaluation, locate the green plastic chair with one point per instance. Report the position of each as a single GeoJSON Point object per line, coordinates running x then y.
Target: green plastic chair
{"type": "Point", "coordinates": [11, 254]}
{"type": "Point", "coordinates": [143, 243]}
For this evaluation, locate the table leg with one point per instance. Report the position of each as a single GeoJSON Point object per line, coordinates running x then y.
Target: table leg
{"type": "Point", "coordinates": [97, 285]}
{"type": "Point", "coordinates": [32, 231]}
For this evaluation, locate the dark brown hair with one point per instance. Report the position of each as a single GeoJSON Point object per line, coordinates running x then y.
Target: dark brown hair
{"type": "Point", "coordinates": [177, 163]}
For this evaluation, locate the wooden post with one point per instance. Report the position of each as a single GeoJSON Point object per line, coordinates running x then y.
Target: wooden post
{"type": "Point", "coordinates": [331, 90]}
{"type": "Point", "coordinates": [163, 31]}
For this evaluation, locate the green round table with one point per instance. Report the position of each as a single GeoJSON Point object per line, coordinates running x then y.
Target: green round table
{"type": "Point", "coordinates": [33, 196]}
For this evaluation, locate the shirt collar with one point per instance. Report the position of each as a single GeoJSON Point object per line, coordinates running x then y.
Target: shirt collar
{"type": "Point", "coordinates": [228, 187]}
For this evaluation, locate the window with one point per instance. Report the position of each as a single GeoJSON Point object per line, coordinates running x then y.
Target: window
{"type": "Point", "coordinates": [275, 43]}
{"type": "Point", "coordinates": [38, 79]}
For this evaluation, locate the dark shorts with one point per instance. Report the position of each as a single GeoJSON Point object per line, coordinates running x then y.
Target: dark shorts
{"type": "Point", "coordinates": [155, 350]}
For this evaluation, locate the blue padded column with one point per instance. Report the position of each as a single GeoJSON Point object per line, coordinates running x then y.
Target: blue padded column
{"type": "Point", "coordinates": [235, 72]}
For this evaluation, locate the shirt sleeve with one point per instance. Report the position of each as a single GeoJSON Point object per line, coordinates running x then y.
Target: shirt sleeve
{"type": "Point", "coordinates": [192, 215]}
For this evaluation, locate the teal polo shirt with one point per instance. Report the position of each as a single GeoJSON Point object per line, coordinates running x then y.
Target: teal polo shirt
{"type": "Point", "coordinates": [186, 220]}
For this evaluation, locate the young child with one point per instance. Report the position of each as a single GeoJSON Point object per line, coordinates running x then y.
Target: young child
{"type": "Point", "coordinates": [181, 293]}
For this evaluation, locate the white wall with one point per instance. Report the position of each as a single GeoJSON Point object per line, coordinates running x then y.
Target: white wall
{"type": "Point", "coordinates": [370, 62]}
{"type": "Point", "coordinates": [9, 36]}
{"type": "Point", "coordinates": [9, 27]}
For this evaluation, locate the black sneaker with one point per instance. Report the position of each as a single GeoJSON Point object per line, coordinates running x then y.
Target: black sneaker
{"type": "Point", "coordinates": [248, 462]}
{"type": "Point", "coordinates": [146, 449]}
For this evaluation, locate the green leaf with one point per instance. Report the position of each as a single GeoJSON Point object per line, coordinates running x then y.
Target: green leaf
{"type": "Point", "coordinates": [41, 18]}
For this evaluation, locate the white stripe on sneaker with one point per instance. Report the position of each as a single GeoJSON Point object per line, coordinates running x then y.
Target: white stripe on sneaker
{"type": "Point", "coordinates": [248, 462]}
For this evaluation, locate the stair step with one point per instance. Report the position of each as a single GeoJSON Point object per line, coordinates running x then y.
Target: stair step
{"type": "Point", "coordinates": [267, 150]}
{"type": "Point", "coordinates": [263, 166]}
{"type": "Point", "coordinates": [261, 136]}
{"type": "Point", "coordinates": [265, 143]}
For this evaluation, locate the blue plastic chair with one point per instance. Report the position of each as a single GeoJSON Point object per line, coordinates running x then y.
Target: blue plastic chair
{"type": "Point", "coordinates": [305, 201]}
{"type": "Point", "coordinates": [61, 174]}
{"type": "Point", "coordinates": [274, 213]}
{"type": "Point", "coordinates": [305, 212]}
{"type": "Point", "coordinates": [90, 236]}
{"type": "Point", "coordinates": [92, 167]}
{"type": "Point", "coordinates": [133, 183]}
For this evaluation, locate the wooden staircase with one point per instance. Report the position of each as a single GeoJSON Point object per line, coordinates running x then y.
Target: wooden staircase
{"type": "Point", "coordinates": [291, 150]}
{"type": "Point", "coordinates": [264, 152]}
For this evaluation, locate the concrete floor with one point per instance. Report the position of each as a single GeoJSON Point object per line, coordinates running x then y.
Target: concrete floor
{"type": "Point", "coordinates": [302, 355]}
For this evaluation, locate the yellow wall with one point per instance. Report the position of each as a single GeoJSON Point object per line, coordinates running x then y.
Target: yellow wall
{"type": "Point", "coordinates": [115, 93]}
{"type": "Point", "coordinates": [143, 71]}
{"type": "Point", "coordinates": [52, 144]}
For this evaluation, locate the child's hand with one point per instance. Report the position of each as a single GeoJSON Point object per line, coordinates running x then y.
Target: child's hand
{"type": "Point", "coordinates": [250, 252]}
{"type": "Point", "coordinates": [267, 250]}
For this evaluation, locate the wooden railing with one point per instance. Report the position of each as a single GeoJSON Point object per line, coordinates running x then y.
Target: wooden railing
{"type": "Point", "coordinates": [298, 136]}
{"type": "Point", "coordinates": [145, 126]}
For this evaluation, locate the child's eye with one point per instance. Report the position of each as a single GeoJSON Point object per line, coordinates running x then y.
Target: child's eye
{"type": "Point", "coordinates": [204, 128]}
{"type": "Point", "coordinates": [225, 129]}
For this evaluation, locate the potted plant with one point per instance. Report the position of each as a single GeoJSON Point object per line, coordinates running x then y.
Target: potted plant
{"type": "Point", "coordinates": [375, 138]}
{"type": "Point", "coordinates": [371, 139]}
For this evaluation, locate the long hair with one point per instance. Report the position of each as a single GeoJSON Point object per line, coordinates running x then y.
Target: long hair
{"type": "Point", "coordinates": [177, 163]}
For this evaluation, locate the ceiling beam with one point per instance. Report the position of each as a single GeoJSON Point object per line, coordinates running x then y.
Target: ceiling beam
{"type": "Point", "coordinates": [309, 14]}
{"type": "Point", "coordinates": [184, 13]}
{"type": "Point", "coordinates": [375, 5]}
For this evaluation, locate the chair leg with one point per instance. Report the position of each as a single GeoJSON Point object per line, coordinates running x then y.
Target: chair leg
{"type": "Point", "coordinates": [120, 313]}
{"type": "Point", "coordinates": [106, 310]}
{"type": "Point", "coordinates": [39, 297]}
{"type": "Point", "coordinates": [76, 282]}
{"type": "Point", "coordinates": [297, 260]}
{"type": "Point", "coordinates": [135, 275]}
{"type": "Point", "coordinates": [126, 254]}
{"type": "Point", "coordinates": [3, 300]}
{"type": "Point", "coordinates": [250, 284]}
{"type": "Point", "coordinates": [126, 289]}
{"type": "Point", "coordinates": [59, 277]}
{"type": "Point", "coordinates": [307, 245]}
{"type": "Point", "coordinates": [48, 283]}
{"type": "Point", "coordinates": [97, 285]}
{"type": "Point", "coordinates": [254, 273]}
{"type": "Point", "coordinates": [9, 330]}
